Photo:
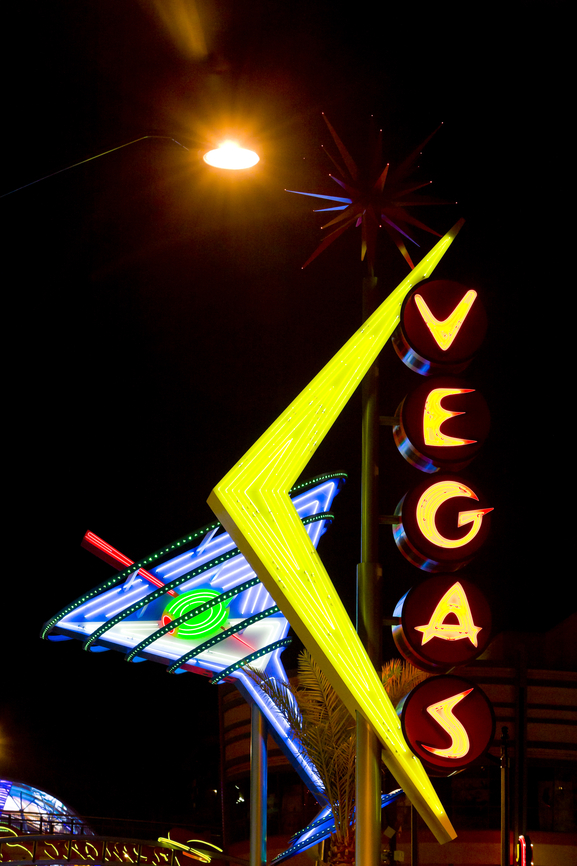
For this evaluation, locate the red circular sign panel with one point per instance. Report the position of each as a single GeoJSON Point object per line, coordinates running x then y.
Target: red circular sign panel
{"type": "Point", "coordinates": [448, 722]}
{"type": "Point", "coordinates": [445, 622]}
{"type": "Point", "coordinates": [442, 424]}
{"type": "Point", "coordinates": [442, 325]}
{"type": "Point", "coordinates": [444, 522]}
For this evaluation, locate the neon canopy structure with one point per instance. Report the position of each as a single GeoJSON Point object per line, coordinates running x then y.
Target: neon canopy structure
{"type": "Point", "coordinates": [31, 810]}
{"type": "Point", "coordinates": [197, 606]}
{"type": "Point", "coordinates": [253, 504]}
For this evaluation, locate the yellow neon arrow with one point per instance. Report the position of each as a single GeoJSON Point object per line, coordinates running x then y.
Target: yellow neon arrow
{"type": "Point", "coordinates": [443, 714]}
{"type": "Point", "coordinates": [253, 504]}
{"type": "Point", "coordinates": [444, 331]}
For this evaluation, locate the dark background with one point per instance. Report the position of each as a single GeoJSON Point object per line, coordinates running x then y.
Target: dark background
{"type": "Point", "coordinates": [157, 320]}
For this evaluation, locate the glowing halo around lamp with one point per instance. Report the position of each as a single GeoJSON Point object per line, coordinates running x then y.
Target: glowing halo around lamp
{"type": "Point", "coordinates": [231, 156]}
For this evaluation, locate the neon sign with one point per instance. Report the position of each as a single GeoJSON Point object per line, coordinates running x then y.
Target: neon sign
{"type": "Point", "coordinates": [442, 425]}
{"type": "Point", "coordinates": [448, 722]}
{"type": "Point", "coordinates": [524, 853]}
{"type": "Point", "coordinates": [202, 625]}
{"type": "Point", "coordinates": [442, 326]}
{"type": "Point", "coordinates": [435, 414]}
{"type": "Point", "coordinates": [252, 503]}
{"type": "Point", "coordinates": [432, 515]}
{"type": "Point", "coordinates": [443, 623]}
{"type": "Point", "coordinates": [455, 603]}
{"type": "Point", "coordinates": [196, 606]}
{"type": "Point", "coordinates": [433, 498]}
{"type": "Point", "coordinates": [444, 331]}
{"type": "Point", "coordinates": [442, 712]}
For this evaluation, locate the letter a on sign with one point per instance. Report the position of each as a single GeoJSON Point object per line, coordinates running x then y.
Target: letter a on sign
{"type": "Point", "coordinates": [456, 602]}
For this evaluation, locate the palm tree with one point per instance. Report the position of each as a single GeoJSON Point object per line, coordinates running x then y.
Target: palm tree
{"type": "Point", "coordinates": [399, 678]}
{"type": "Point", "coordinates": [326, 733]}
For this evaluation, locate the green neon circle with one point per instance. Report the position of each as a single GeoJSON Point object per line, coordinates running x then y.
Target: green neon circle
{"type": "Point", "coordinates": [205, 624]}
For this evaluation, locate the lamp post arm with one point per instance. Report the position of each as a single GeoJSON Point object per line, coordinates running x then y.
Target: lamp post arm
{"type": "Point", "coordinates": [90, 158]}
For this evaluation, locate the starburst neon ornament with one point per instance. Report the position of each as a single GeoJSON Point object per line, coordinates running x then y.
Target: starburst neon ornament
{"type": "Point", "coordinates": [375, 198]}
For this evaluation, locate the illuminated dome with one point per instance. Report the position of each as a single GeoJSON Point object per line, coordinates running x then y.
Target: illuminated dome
{"type": "Point", "coordinates": [28, 810]}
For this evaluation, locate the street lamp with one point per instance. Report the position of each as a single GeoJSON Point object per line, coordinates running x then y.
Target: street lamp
{"type": "Point", "coordinates": [231, 156]}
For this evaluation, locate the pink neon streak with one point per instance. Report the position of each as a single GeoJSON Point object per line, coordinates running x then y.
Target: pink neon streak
{"type": "Point", "coordinates": [91, 541]}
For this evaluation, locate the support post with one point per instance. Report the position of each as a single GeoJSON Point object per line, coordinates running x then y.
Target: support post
{"type": "Point", "coordinates": [414, 836]}
{"type": "Point", "coordinates": [258, 787]}
{"type": "Point", "coordinates": [369, 618]}
{"type": "Point", "coordinates": [519, 769]}
{"type": "Point", "coordinates": [505, 818]}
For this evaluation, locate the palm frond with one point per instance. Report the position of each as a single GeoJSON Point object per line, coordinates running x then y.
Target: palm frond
{"type": "Point", "coordinates": [324, 730]}
{"type": "Point", "coordinates": [399, 678]}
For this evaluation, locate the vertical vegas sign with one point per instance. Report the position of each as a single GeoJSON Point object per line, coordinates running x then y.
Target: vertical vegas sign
{"type": "Point", "coordinates": [441, 524]}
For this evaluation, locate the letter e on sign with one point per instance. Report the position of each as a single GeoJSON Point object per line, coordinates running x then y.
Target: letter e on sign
{"type": "Point", "coordinates": [442, 424]}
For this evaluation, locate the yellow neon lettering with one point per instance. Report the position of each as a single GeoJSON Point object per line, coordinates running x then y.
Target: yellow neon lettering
{"type": "Point", "coordinates": [444, 331]}
{"type": "Point", "coordinates": [253, 504]}
{"type": "Point", "coordinates": [454, 601]}
{"type": "Point", "coordinates": [434, 415]}
{"type": "Point", "coordinates": [443, 714]}
{"type": "Point", "coordinates": [431, 500]}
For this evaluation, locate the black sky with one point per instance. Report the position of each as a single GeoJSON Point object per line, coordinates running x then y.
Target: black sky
{"type": "Point", "coordinates": [158, 320]}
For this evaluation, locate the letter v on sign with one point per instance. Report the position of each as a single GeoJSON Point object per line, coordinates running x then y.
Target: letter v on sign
{"type": "Point", "coordinates": [444, 331]}
{"type": "Point", "coordinates": [253, 504]}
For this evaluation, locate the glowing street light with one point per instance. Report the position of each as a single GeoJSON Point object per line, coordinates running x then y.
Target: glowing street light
{"type": "Point", "coordinates": [231, 156]}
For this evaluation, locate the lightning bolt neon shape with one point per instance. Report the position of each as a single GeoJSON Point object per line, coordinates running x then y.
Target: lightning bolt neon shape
{"type": "Point", "coordinates": [253, 505]}
{"type": "Point", "coordinates": [442, 713]}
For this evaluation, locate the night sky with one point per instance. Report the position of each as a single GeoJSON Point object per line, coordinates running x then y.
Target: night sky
{"type": "Point", "coordinates": [158, 320]}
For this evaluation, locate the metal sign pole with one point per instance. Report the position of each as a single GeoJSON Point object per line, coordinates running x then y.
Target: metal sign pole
{"type": "Point", "coordinates": [369, 618]}
{"type": "Point", "coordinates": [505, 820]}
{"type": "Point", "coordinates": [258, 787]}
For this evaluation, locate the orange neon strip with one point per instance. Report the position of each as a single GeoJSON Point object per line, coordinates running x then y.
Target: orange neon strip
{"type": "Point", "coordinates": [454, 601]}
{"type": "Point", "coordinates": [444, 331]}
{"type": "Point", "coordinates": [434, 415]}
{"type": "Point", "coordinates": [431, 500]}
{"type": "Point", "coordinates": [442, 713]}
